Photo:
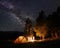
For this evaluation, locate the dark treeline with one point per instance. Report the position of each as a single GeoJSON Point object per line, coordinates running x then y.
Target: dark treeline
{"type": "Point", "coordinates": [8, 35]}
{"type": "Point", "coordinates": [52, 22]}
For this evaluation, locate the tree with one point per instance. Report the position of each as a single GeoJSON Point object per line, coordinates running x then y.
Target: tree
{"type": "Point", "coordinates": [40, 27]}
{"type": "Point", "coordinates": [41, 18]}
{"type": "Point", "coordinates": [28, 27]}
{"type": "Point", "coordinates": [53, 22]}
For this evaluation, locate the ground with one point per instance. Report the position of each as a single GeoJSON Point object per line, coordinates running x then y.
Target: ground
{"type": "Point", "coordinates": [46, 44]}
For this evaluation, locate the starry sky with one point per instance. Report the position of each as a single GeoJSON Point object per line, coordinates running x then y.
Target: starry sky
{"type": "Point", "coordinates": [13, 13]}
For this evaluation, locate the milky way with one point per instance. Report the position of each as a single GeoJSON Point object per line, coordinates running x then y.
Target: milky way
{"type": "Point", "coordinates": [13, 13]}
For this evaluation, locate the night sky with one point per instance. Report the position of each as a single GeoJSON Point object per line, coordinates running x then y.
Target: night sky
{"type": "Point", "coordinates": [13, 13]}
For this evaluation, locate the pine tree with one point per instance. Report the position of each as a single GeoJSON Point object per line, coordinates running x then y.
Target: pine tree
{"type": "Point", "coordinates": [28, 27]}
{"type": "Point", "coordinates": [40, 27]}
{"type": "Point", "coordinates": [41, 18]}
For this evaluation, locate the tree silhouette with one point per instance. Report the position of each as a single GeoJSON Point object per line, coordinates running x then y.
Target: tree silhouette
{"type": "Point", "coordinates": [28, 27]}
{"type": "Point", "coordinates": [40, 27]}
{"type": "Point", "coordinates": [41, 18]}
{"type": "Point", "coordinates": [53, 21]}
